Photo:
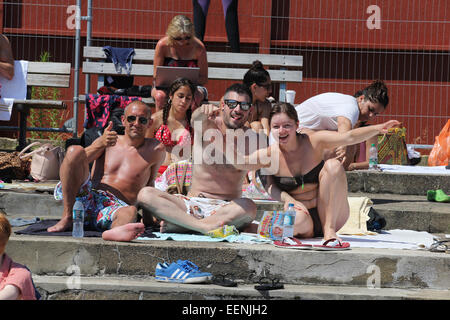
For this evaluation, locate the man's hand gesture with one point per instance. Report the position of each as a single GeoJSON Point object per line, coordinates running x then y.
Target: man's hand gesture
{"type": "Point", "coordinates": [109, 136]}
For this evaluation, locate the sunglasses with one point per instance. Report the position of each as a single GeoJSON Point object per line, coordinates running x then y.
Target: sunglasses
{"type": "Point", "coordinates": [180, 38]}
{"type": "Point", "coordinates": [132, 119]}
{"type": "Point", "coordinates": [233, 104]}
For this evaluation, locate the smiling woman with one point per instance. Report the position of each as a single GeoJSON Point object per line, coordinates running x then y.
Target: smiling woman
{"type": "Point", "coordinates": [172, 125]}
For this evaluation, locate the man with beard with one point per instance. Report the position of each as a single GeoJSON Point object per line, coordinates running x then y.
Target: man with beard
{"type": "Point", "coordinates": [214, 199]}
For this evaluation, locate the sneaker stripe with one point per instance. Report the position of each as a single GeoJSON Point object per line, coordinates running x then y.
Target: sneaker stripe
{"type": "Point", "coordinates": [174, 274]}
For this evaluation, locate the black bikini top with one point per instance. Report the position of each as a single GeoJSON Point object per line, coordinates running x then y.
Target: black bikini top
{"type": "Point", "coordinates": [290, 183]}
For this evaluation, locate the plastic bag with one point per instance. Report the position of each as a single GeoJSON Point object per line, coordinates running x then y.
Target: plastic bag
{"type": "Point", "coordinates": [440, 153]}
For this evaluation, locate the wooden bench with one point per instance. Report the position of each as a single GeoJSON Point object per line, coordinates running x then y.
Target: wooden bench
{"type": "Point", "coordinates": [40, 74]}
{"type": "Point", "coordinates": [221, 66]}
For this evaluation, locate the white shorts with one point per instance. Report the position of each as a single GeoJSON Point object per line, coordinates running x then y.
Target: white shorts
{"type": "Point", "coordinates": [202, 207]}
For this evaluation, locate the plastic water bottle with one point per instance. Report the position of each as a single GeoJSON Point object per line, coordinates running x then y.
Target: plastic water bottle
{"type": "Point", "coordinates": [289, 220]}
{"type": "Point", "coordinates": [373, 157]}
{"type": "Point", "coordinates": [78, 219]}
{"type": "Point", "coordinates": [276, 232]}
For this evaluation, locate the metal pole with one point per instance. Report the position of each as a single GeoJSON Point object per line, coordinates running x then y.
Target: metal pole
{"type": "Point", "coordinates": [88, 40]}
{"type": "Point", "coordinates": [77, 67]}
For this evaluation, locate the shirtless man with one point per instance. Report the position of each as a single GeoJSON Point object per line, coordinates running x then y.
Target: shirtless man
{"type": "Point", "coordinates": [6, 58]}
{"type": "Point", "coordinates": [123, 165]}
{"type": "Point", "coordinates": [214, 199]}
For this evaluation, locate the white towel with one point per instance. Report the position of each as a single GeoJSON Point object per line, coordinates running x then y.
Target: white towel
{"type": "Point", "coordinates": [16, 88]}
{"type": "Point", "coordinates": [359, 214]}
{"type": "Point", "coordinates": [6, 105]}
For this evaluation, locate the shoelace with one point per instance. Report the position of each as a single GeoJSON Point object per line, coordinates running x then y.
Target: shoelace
{"type": "Point", "coordinates": [188, 266]}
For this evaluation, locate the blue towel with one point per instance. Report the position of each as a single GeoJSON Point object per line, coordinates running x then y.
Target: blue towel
{"type": "Point", "coordinates": [121, 57]}
{"type": "Point", "coordinates": [241, 238]}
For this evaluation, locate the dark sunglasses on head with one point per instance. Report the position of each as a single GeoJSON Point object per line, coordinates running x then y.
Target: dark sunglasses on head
{"type": "Point", "coordinates": [233, 104]}
{"type": "Point", "coordinates": [181, 38]}
{"type": "Point", "coordinates": [132, 119]}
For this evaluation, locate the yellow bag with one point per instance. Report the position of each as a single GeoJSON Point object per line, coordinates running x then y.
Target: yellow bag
{"type": "Point", "coordinates": [392, 147]}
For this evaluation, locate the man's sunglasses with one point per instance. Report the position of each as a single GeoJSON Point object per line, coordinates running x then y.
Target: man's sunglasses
{"type": "Point", "coordinates": [180, 38]}
{"type": "Point", "coordinates": [233, 104]}
{"type": "Point", "coordinates": [132, 119]}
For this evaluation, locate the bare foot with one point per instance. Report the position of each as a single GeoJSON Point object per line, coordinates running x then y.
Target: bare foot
{"type": "Point", "coordinates": [331, 234]}
{"type": "Point", "coordinates": [167, 227]}
{"type": "Point", "coordinates": [126, 232]}
{"type": "Point", "coordinates": [63, 225]}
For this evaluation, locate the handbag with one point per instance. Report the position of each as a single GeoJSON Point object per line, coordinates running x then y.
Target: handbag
{"type": "Point", "coordinates": [45, 161]}
{"type": "Point", "coordinates": [392, 147]}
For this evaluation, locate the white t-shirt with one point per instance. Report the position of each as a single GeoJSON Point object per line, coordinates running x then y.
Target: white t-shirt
{"type": "Point", "coordinates": [321, 112]}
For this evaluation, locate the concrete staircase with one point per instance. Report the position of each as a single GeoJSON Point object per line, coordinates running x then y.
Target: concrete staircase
{"type": "Point", "coordinates": [90, 268]}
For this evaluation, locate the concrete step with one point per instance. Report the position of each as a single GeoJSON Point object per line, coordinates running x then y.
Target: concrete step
{"type": "Point", "coordinates": [147, 288]}
{"type": "Point", "coordinates": [396, 183]}
{"type": "Point", "coordinates": [412, 212]}
{"type": "Point", "coordinates": [391, 268]}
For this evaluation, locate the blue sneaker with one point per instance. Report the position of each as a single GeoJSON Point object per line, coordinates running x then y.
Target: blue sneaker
{"type": "Point", "coordinates": [182, 271]}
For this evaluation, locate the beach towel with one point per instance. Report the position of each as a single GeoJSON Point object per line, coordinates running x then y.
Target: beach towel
{"type": "Point", "coordinates": [6, 106]}
{"type": "Point", "coordinates": [40, 229]}
{"type": "Point", "coordinates": [100, 107]}
{"type": "Point", "coordinates": [249, 238]}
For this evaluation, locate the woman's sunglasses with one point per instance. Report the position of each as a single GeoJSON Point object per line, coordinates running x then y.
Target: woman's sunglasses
{"type": "Point", "coordinates": [132, 119]}
{"type": "Point", "coordinates": [233, 104]}
{"type": "Point", "coordinates": [181, 38]}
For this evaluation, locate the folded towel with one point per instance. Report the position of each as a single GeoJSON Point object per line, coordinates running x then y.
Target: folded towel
{"type": "Point", "coordinates": [6, 106]}
{"type": "Point", "coordinates": [121, 57]}
{"type": "Point", "coordinates": [359, 215]}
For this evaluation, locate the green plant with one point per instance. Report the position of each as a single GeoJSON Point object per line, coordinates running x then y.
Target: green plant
{"type": "Point", "coordinates": [45, 118]}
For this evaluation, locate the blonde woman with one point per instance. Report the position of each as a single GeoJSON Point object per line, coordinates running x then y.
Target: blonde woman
{"type": "Point", "coordinates": [180, 48]}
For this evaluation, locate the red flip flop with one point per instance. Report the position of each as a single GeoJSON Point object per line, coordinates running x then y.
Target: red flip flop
{"type": "Point", "coordinates": [332, 245]}
{"type": "Point", "coordinates": [292, 243]}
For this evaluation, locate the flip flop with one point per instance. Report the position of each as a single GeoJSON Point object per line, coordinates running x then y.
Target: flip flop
{"type": "Point", "coordinates": [292, 243]}
{"type": "Point", "coordinates": [439, 246]}
{"type": "Point", "coordinates": [332, 245]}
{"type": "Point", "coordinates": [222, 281]}
{"type": "Point", "coordinates": [275, 285]}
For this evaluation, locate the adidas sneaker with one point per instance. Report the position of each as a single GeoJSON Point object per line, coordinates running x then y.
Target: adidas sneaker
{"type": "Point", "coordinates": [182, 271]}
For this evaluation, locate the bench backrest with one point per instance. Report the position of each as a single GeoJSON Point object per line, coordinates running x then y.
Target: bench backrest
{"type": "Point", "coordinates": [222, 65]}
{"type": "Point", "coordinates": [48, 74]}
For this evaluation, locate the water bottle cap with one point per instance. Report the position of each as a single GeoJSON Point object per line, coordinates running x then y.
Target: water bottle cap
{"type": "Point", "coordinates": [291, 204]}
{"type": "Point", "coordinates": [372, 145]}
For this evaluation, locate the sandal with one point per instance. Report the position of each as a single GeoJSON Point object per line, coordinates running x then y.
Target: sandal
{"type": "Point", "coordinates": [222, 281]}
{"type": "Point", "coordinates": [269, 286]}
{"type": "Point", "coordinates": [439, 246]}
{"type": "Point", "coordinates": [332, 245]}
{"type": "Point", "coordinates": [292, 243]}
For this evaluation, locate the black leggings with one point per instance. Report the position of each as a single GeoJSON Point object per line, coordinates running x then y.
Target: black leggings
{"type": "Point", "coordinates": [231, 20]}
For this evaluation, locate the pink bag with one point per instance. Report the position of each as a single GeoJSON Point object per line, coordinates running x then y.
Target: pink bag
{"type": "Point", "coordinates": [46, 161]}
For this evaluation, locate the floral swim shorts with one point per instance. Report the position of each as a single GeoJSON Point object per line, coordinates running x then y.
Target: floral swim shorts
{"type": "Point", "coordinates": [99, 205]}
